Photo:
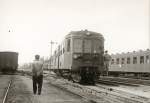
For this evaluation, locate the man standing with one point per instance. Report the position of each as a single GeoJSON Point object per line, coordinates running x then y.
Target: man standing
{"type": "Point", "coordinates": [107, 59]}
{"type": "Point", "coordinates": [37, 75]}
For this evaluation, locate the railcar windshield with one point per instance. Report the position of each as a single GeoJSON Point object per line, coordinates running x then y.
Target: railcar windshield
{"type": "Point", "coordinates": [77, 45]}
{"type": "Point", "coordinates": [97, 46]}
{"type": "Point", "coordinates": [87, 46]}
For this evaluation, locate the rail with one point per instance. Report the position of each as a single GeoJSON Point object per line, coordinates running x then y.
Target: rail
{"type": "Point", "coordinates": [7, 90]}
{"type": "Point", "coordinates": [113, 82]}
{"type": "Point", "coordinates": [127, 81]}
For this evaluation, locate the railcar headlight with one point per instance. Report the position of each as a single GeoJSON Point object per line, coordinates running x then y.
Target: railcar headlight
{"type": "Point", "coordinates": [95, 51]}
{"type": "Point", "coordinates": [88, 33]}
{"type": "Point", "coordinates": [75, 56]}
{"type": "Point", "coordinates": [96, 55]}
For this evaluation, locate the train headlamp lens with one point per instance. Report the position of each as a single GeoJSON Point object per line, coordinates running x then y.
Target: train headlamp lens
{"type": "Point", "coordinates": [88, 33]}
{"type": "Point", "coordinates": [75, 56]}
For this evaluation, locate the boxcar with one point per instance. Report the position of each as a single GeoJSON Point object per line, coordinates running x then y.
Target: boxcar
{"type": "Point", "coordinates": [8, 61]}
{"type": "Point", "coordinates": [80, 55]}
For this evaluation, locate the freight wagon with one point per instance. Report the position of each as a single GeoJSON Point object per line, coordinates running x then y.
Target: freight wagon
{"type": "Point", "coordinates": [8, 61]}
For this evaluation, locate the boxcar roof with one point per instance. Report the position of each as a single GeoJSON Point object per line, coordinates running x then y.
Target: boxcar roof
{"type": "Point", "coordinates": [8, 52]}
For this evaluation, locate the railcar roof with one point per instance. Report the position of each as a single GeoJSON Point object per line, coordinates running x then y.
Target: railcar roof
{"type": "Point", "coordinates": [84, 32]}
{"type": "Point", "coordinates": [140, 52]}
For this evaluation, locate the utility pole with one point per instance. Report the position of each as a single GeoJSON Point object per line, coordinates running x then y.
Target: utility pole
{"type": "Point", "coordinates": [51, 51]}
{"type": "Point", "coordinates": [149, 24]}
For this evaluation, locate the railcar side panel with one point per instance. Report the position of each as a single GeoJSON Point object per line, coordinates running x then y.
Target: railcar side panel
{"type": "Point", "coordinates": [134, 62]}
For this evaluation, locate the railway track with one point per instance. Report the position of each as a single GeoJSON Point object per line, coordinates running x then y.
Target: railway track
{"type": "Point", "coordinates": [115, 83]}
{"type": "Point", "coordinates": [6, 82]}
{"type": "Point", "coordinates": [126, 81]}
{"type": "Point", "coordinates": [115, 96]}
{"type": "Point", "coordinates": [7, 90]}
{"type": "Point", "coordinates": [108, 94]}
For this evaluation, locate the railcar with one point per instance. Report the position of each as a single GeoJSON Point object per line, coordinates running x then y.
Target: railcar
{"type": "Point", "coordinates": [80, 56]}
{"type": "Point", "coordinates": [8, 61]}
{"type": "Point", "coordinates": [136, 63]}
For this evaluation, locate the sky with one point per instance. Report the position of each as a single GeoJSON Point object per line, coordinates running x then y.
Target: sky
{"type": "Point", "coordinates": [28, 26]}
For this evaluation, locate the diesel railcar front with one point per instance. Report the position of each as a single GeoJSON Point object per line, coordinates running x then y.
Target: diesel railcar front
{"type": "Point", "coordinates": [8, 61]}
{"type": "Point", "coordinates": [81, 56]}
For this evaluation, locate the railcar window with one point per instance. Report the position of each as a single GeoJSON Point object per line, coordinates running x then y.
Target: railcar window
{"type": "Point", "coordinates": [60, 64]}
{"type": "Point", "coordinates": [141, 59]}
{"type": "Point", "coordinates": [112, 61]}
{"type": "Point", "coordinates": [52, 60]}
{"type": "Point", "coordinates": [122, 61]}
{"type": "Point", "coordinates": [55, 61]}
{"type": "Point", "coordinates": [63, 50]}
{"type": "Point", "coordinates": [128, 60]}
{"type": "Point", "coordinates": [60, 52]}
{"type": "Point", "coordinates": [68, 45]}
{"type": "Point", "coordinates": [117, 60]}
{"type": "Point", "coordinates": [147, 59]}
{"type": "Point", "coordinates": [134, 60]}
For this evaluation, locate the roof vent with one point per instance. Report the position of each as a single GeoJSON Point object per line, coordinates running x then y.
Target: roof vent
{"type": "Point", "coordinates": [87, 32]}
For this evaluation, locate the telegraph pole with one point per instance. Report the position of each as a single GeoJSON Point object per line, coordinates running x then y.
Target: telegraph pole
{"type": "Point", "coordinates": [51, 51]}
{"type": "Point", "coordinates": [149, 24]}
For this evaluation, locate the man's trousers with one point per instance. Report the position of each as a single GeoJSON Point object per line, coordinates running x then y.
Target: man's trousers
{"type": "Point", "coordinates": [37, 83]}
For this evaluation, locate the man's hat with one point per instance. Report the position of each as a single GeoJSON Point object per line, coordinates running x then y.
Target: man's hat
{"type": "Point", "coordinates": [37, 56]}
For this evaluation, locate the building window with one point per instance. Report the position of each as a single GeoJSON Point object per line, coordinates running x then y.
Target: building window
{"type": "Point", "coordinates": [117, 60]}
{"type": "Point", "coordinates": [134, 60]}
{"type": "Point", "coordinates": [112, 61]}
{"type": "Point", "coordinates": [147, 59]}
{"type": "Point", "coordinates": [128, 60]}
{"type": "Point", "coordinates": [68, 45]}
{"type": "Point", "coordinates": [122, 61]}
{"type": "Point", "coordinates": [141, 59]}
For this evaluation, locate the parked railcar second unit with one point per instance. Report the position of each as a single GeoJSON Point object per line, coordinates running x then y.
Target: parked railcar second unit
{"type": "Point", "coordinates": [135, 63]}
{"type": "Point", "coordinates": [8, 61]}
{"type": "Point", "coordinates": [80, 55]}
